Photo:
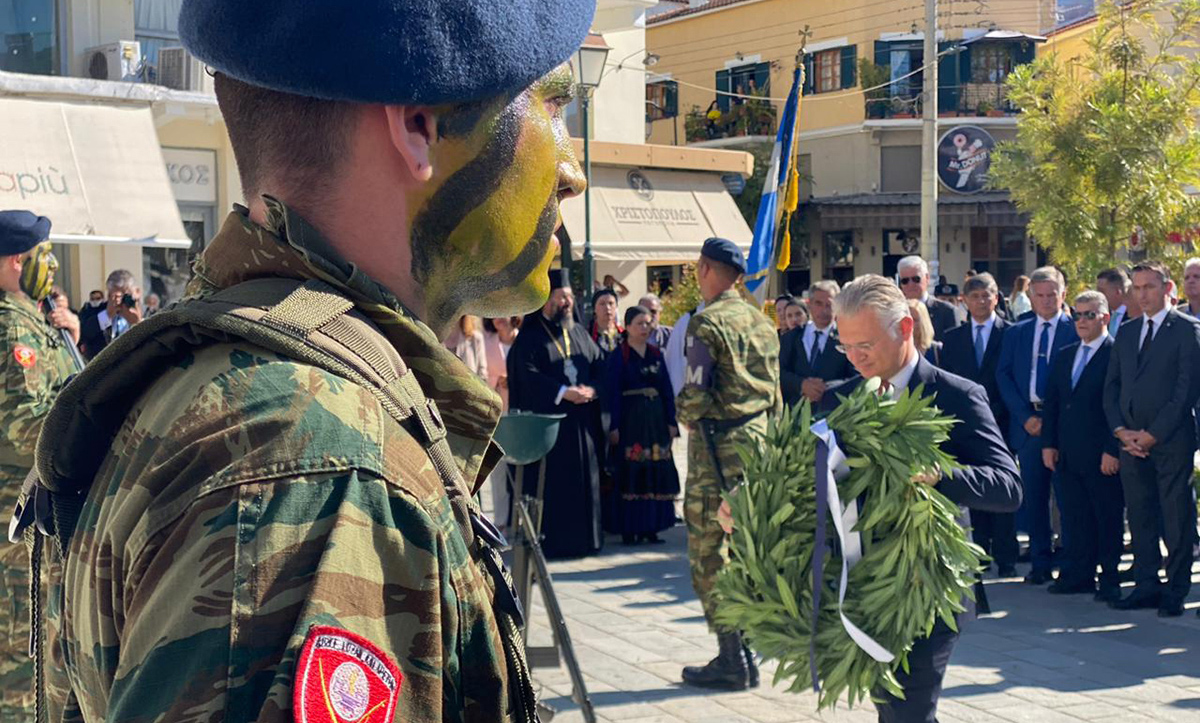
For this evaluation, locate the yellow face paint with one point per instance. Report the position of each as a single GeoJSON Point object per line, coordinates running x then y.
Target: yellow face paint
{"type": "Point", "coordinates": [482, 237]}
{"type": "Point", "coordinates": [37, 271]}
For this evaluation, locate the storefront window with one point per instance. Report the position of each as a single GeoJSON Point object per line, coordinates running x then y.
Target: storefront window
{"type": "Point", "coordinates": [839, 249]}
{"type": "Point", "coordinates": [1000, 252]}
{"type": "Point", "coordinates": [29, 31]}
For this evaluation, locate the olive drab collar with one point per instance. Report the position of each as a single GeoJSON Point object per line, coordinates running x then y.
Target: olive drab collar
{"type": "Point", "coordinates": [21, 303]}
{"type": "Point", "coordinates": [288, 246]}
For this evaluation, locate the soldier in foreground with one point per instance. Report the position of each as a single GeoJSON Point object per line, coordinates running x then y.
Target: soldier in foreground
{"type": "Point", "coordinates": [274, 477]}
{"type": "Point", "coordinates": [731, 385]}
{"type": "Point", "coordinates": [35, 364]}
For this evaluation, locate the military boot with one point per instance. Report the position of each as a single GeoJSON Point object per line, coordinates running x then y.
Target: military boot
{"type": "Point", "coordinates": [727, 671]}
{"type": "Point", "coordinates": [751, 666]}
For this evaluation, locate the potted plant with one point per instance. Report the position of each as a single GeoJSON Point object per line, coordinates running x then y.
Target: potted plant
{"type": "Point", "coordinates": [872, 76]}
{"type": "Point", "coordinates": [984, 108]}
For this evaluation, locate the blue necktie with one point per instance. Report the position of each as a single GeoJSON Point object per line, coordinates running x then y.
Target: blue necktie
{"type": "Point", "coordinates": [979, 347]}
{"type": "Point", "coordinates": [1113, 325]}
{"type": "Point", "coordinates": [816, 348]}
{"type": "Point", "coordinates": [1083, 360]}
{"type": "Point", "coordinates": [1043, 361]}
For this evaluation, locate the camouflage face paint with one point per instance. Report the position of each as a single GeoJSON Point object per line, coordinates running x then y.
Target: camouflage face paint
{"type": "Point", "coordinates": [482, 237]}
{"type": "Point", "coordinates": [37, 271]}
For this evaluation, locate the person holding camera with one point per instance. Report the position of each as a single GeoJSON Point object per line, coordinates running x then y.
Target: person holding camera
{"type": "Point", "coordinates": [100, 325]}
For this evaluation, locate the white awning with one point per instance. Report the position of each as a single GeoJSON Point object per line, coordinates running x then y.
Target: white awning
{"type": "Point", "coordinates": [96, 171]}
{"type": "Point", "coordinates": [654, 215]}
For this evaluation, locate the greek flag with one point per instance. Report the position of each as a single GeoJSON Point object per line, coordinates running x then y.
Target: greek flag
{"type": "Point", "coordinates": [762, 250]}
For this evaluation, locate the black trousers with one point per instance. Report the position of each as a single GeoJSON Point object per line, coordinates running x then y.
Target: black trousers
{"type": "Point", "coordinates": [1092, 508]}
{"type": "Point", "coordinates": [996, 533]}
{"type": "Point", "coordinates": [923, 683]}
{"type": "Point", "coordinates": [1160, 500]}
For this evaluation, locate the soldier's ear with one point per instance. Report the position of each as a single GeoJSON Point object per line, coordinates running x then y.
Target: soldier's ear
{"type": "Point", "coordinates": [413, 131]}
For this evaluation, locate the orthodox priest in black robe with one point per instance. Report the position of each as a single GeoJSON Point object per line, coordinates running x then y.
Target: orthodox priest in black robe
{"type": "Point", "coordinates": [554, 368]}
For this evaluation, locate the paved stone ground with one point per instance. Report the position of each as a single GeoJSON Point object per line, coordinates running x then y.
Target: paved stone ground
{"type": "Point", "coordinates": [635, 622]}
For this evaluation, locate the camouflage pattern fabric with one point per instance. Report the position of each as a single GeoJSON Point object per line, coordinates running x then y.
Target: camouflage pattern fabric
{"type": "Point", "coordinates": [247, 497]}
{"type": "Point", "coordinates": [732, 373]}
{"type": "Point", "coordinates": [35, 364]}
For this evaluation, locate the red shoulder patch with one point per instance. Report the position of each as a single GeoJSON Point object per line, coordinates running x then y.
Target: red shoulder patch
{"type": "Point", "coordinates": [343, 678]}
{"type": "Point", "coordinates": [25, 356]}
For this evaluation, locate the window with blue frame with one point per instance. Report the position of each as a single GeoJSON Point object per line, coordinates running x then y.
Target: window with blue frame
{"type": "Point", "coordinates": [29, 30]}
{"type": "Point", "coordinates": [752, 79]}
{"type": "Point", "coordinates": [830, 70]}
{"type": "Point", "coordinates": [156, 26]}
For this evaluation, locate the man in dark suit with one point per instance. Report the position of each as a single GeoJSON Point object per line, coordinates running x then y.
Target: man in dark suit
{"type": "Point", "coordinates": [972, 351]}
{"type": "Point", "coordinates": [1115, 285]}
{"type": "Point", "coordinates": [877, 334]}
{"type": "Point", "coordinates": [1149, 398]}
{"type": "Point", "coordinates": [808, 357]}
{"type": "Point", "coordinates": [100, 325]}
{"type": "Point", "coordinates": [913, 275]}
{"type": "Point", "coordinates": [1078, 446]}
{"type": "Point", "coordinates": [1027, 355]}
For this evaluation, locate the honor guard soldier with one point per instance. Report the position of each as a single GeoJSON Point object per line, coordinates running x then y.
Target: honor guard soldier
{"type": "Point", "coordinates": [731, 385]}
{"type": "Point", "coordinates": [36, 364]}
{"type": "Point", "coordinates": [265, 491]}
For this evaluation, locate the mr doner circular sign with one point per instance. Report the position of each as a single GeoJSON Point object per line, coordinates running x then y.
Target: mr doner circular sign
{"type": "Point", "coordinates": [964, 156]}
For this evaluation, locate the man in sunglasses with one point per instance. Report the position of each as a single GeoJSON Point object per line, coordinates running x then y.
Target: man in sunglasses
{"type": "Point", "coordinates": [914, 282]}
{"type": "Point", "coordinates": [1077, 445]}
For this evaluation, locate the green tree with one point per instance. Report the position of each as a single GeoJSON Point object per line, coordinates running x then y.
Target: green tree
{"type": "Point", "coordinates": [1107, 145]}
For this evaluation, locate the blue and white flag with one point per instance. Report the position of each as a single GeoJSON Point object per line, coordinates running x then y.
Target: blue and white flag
{"type": "Point", "coordinates": [762, 251]}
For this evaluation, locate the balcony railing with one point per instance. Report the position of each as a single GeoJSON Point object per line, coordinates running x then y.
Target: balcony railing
{"type": "Point", "coordinates": [966, 100]}
{"type": "Point", "coordinates": [752, 118]}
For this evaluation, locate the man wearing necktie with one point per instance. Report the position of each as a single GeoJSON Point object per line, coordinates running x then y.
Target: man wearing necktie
{"type": "Point", "coordinates": [1150, 396]}
{"type": "Point", "coordinates": [972, 351]}
{"type": "Point", "coordinates": [808, 357]}
{"type": "Point", "coordinates": [1078, 446]}
{"type": "Point", "coordinates": [1115, 285]}
{"type": "Point", "coordinates": [1027, 354]}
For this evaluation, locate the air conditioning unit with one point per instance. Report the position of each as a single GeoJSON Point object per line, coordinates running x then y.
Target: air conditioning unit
{"type": "Point", "coordinates": [179, 69]}
{"type": "Point", "coordinates": [121, 60]}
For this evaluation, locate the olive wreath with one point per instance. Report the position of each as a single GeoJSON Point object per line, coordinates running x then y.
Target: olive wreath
{"type": "Point", "coordinates": [917, 563]}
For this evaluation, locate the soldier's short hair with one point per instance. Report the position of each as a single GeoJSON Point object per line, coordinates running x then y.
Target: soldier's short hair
{"type": "Point", "coordinates": [1093, 297]}
{"type": "Point", "coordinates": [829, 286]}
{"type": "Point", "coordinates": [1048, 273]}
{"type": "Point", "coordinates": [913, 262]}
{"type": "Point", "coordinates": [978, 282]}
{"type": "Point", "coordinates": [120, 278]}
{"type": "Point", "coordinates": [1116, 277]}
{"type": "Point", "coordinates": [1164, 274]}
{"type": "Point", "coordinates": [876, 293]}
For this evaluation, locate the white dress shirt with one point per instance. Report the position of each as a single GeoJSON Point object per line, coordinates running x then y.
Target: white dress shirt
{"type": "Point", "coordinates": [1158, 322]}
{"type": "Point", "coordinates": [900, 379]}
{"type": "Point", "coordinates": [1037, 338]}
{"type": "Point", "coordinates": [810, 332]}
{"type": "Point", "coordinates": [1092, 347]}
{"type": "Point", "coordinates": [987, 330]}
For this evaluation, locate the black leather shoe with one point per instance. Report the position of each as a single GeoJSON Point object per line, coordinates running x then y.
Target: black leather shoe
{"type": "Point", "coordinates": [1037, 577]}
{"type": "Point", "coordinates": [1137, 601]}
{"type": "Point", "coordinates": [1108, 594]}
{"type": "Point", "coordinates": [1064, 587]}
{"type": "Point", "coordinates": [1006, 571]}
{"type": "Point", "coordinates": [1170, 608]}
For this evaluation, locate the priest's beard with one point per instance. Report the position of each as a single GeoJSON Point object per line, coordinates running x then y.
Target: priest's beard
{"type": "Point", "coordinates": [564, 318]}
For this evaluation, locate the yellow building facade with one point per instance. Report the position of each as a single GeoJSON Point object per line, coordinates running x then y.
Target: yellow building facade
{"type": "Point", "coordinates": [725, 66]}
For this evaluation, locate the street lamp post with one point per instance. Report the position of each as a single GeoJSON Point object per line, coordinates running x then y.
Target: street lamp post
{"type": "Point", "coordinates": [589, 69]}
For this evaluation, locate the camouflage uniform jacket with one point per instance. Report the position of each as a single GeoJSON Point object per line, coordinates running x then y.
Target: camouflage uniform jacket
{"type": "Point", "coordinates": [733, 363]}
{"type": "Point", "coordinates": [35, 365]}
{"type": "Point", "coordinates": [247, 497]}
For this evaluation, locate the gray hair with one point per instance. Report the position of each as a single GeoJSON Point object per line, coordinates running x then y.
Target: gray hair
{"type": "Point", "coordinates": [871, 291]}
{"type": "Point", "coordinates": [1194, 261]}
{"type": "Point", "coordinates": [829, 286]}
{"type": "Point", "coordinates": [651, 298]}
{"type": "Point", "coordinates": [1093, 297]}
{"type": "Point", "coordinates": [981, 281]}
{"type": "Point", "coordinates": [121, 278]}
{"type": "Point", "coordinates": [1048, 273]}
{"type": "Point", "coordinates": [913, 262]}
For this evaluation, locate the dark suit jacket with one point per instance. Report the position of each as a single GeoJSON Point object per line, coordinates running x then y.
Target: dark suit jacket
{"type": "Point", "coordinates": [989, 480]}
{"type": "Point", "coordinates": [958, 357]}
{"type": "Point", "coordinates": [91, 337]}
{"type": "Point", "coordinates": [794, 367]}
{"type": "Point", "coordinates": [1073, 419]}
{"type": "Point", "coordinates": [943, 317]}
{"type": "Point", "coordinates": [1159, 393]}
{"type": "Point", "coordinates": [1015, 368]}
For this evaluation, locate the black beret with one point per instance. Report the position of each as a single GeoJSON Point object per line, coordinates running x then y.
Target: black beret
{"type": "Point", "coordinates": [423, 52]}
{"type": "Point", "coordinates": [558, 279]}
{"type": "Point", "coordinates": [724, 251]}
{"type": "Point", "coordinates": [21, 231]}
